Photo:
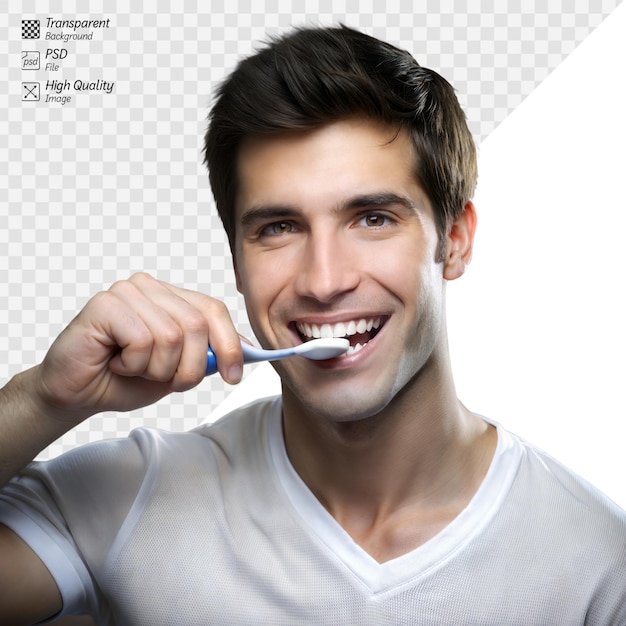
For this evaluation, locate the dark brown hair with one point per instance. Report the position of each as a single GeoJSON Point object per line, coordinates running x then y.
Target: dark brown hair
{"type": "Point", "coordinates": [314, 76]}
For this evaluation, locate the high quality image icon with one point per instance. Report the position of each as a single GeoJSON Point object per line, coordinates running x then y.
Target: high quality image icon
{"type": "Point", "coordinates": [30, 92]}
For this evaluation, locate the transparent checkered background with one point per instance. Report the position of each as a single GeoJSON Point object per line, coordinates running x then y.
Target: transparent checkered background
{"type": "Point", "coordinates": [107, 185]}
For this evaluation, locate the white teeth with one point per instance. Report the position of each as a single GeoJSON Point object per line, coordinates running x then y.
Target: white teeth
{"type": "Point", "coordinates": [341, 329]}
{"type": "Point", "coordinates": [354, 349]}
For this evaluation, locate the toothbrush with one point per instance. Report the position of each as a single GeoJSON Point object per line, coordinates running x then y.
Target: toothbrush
{"type": "Point", "coordinates": [316, 349]}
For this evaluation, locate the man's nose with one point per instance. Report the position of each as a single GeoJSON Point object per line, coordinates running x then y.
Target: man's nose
{"type": "Point", "coordinates": [328, 267]}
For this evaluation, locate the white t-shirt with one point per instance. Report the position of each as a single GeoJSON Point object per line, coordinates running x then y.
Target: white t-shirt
{"type": "Point", "coordinates": [216, 527]}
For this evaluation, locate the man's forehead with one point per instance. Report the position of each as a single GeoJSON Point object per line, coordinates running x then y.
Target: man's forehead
{"type": "Point", "coordinates": [372, 133]}
{"type": "Point", "coordinates": [351, 153]}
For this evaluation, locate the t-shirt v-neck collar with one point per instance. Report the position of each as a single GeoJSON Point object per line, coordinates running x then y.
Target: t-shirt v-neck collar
{"type": "Point", "coordinates": [380, 577]}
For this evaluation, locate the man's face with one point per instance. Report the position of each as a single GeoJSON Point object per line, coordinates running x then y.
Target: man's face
{"type": "Point", "coordinates": [334, 237]}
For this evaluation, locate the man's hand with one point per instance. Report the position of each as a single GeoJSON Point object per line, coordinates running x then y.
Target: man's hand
{"type": "Point", "coordinates": [133, 344]}
{"type": "Point", "coordinates": [128, 347]}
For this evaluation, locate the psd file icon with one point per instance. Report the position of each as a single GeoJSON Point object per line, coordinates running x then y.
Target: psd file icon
{"type": "Point", "coordinates": [30, 29]}
{"type": "Point", "coordinates": [31, 60]}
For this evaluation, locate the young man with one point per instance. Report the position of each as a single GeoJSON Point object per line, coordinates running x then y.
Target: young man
{"type": "Point", "coordinates": [365, 494]}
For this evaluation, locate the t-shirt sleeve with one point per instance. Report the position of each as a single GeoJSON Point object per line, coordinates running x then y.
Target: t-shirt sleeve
{"type": "Point", "coordinates": [69, 511]}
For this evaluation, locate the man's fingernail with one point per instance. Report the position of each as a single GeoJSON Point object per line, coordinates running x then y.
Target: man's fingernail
{"type": "Point", "coordinates": [234, 374]}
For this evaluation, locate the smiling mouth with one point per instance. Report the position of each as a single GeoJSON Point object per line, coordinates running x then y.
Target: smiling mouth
{"type": "Point", "coordinates": [358, 331]}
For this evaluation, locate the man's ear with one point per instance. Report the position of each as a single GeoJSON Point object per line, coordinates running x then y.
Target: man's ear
{"type": "Point", "coordinates": [460, 243]}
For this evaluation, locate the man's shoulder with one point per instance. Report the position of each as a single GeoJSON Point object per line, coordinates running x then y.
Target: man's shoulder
{"type": "Point", "coordinates": [150, 447]}
{"type": "Point", "coordinates": [555, 494]}
{"type": "Point", "coordinates": [242, 419]}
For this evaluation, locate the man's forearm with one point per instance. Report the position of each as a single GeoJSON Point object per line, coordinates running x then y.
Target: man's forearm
{"type": "Point", "coordinates": [25, 429]}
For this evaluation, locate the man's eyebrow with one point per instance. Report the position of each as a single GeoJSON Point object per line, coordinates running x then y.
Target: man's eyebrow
{"type": "Point", "coordinates": [378, 200]}
{"type": "Point", "coordinates": [261, 213]}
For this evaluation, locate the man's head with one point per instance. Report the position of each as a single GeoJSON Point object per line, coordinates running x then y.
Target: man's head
{"type": "Point", "coordinates": [317, 76]}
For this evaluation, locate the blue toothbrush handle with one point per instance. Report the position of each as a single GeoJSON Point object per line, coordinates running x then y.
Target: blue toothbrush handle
{"type": "Point", "coordinates": [211, 362]}
{"type": "Point", "coordinates": [250, 355]}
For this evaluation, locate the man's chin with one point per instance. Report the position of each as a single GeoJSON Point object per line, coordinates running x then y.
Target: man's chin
{"type": "Point", "coordinates": [343, 406]}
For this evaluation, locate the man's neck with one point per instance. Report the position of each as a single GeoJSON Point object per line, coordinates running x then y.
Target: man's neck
{"type": "Point", "coordinates": [395, 479]}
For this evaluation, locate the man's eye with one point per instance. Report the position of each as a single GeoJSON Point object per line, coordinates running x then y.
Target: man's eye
{"type": "Point", "coordinates": [374, 220]}
{"type": "Point", "coordinates": [277, 228]}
